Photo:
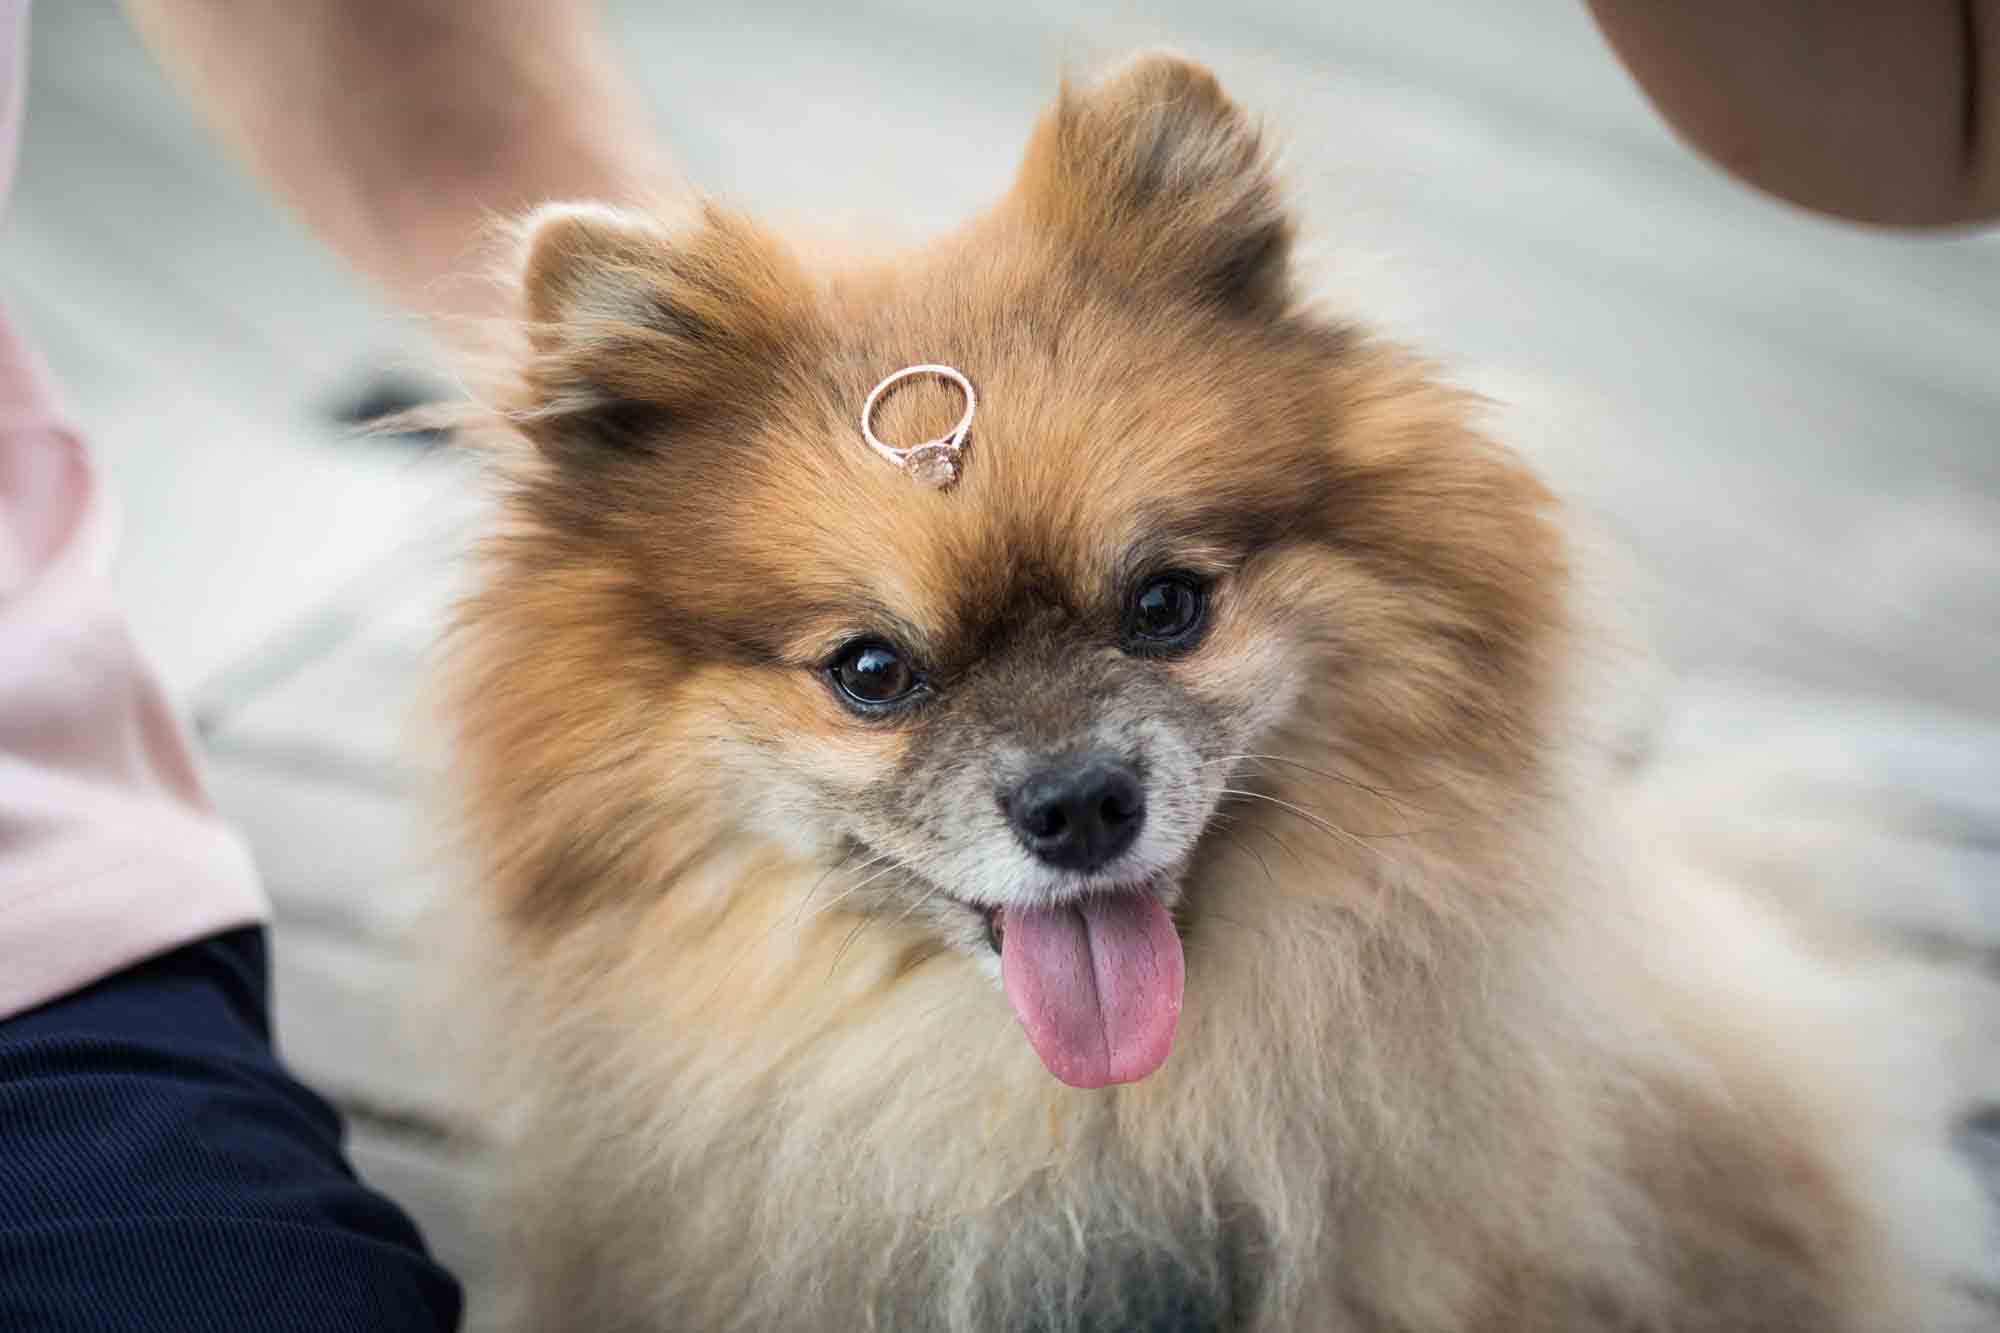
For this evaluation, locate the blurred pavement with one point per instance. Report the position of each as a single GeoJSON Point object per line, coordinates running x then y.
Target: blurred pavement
{"type": "Point", "coordinates": [1791, 427]}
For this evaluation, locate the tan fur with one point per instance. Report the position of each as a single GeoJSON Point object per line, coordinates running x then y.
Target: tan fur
{"type": "Point", "coordinates": [1450, 1059]}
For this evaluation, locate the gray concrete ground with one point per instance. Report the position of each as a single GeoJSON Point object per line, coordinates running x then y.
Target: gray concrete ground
{"type": "Point", "coordinates": [1791, 426]}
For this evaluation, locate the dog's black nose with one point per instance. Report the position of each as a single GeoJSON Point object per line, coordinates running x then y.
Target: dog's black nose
{"type": "Point", "coordinates": [1078, 815]}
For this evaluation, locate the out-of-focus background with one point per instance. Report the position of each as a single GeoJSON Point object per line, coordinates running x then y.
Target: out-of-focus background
{"type": "Point", "coordinates": [1790, 426]}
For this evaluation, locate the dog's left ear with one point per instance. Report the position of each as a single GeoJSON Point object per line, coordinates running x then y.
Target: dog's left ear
{"type": "Point", "coordinates": [638, 322]}
{"type": "Point", "coordinates": [1155, 176]}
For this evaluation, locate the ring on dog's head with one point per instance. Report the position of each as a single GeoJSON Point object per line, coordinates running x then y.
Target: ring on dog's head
{"type": "Point", "coordinates": [934, 463]}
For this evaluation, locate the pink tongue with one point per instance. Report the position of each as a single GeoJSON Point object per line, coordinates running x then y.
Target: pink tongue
{"type": "Point", "coordinates": [1097, 986]}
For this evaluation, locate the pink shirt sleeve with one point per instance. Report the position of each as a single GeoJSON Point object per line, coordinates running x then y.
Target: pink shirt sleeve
{"type": "Point", "coordinates": [109, 849]}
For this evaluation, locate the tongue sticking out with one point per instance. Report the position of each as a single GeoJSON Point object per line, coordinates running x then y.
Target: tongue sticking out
{"type": "Point", "coordinates": [1097, 985]}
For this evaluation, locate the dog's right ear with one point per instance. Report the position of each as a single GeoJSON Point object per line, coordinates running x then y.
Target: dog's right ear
{"type": "Point", "coordinates": [635, 323]}
{"type": "Point", "coordinates": [1154, 177]}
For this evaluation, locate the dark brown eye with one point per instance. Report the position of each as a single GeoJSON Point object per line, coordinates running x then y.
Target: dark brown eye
{"type": "Point", "coordinates": [871, 674]}
{"type": "Point", "coordinates": [1166, 614]}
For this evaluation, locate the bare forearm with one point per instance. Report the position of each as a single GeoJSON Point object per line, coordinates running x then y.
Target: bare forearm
{"type": "Point", "coordinates": [399, 128]}
{"type": "Point", "coordinates": [1877, 110]}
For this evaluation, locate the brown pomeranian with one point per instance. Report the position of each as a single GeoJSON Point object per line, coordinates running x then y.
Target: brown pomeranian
{"type": "Point", "coordinates": [1156, 882]}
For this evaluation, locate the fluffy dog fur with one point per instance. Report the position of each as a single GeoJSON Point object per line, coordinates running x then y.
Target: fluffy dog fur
{"type": "Point", "coordinates": [1452, 1057]}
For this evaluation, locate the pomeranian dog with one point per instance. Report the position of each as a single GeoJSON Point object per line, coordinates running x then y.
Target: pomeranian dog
{"type": "Point", "coordinates": [1154, 880]}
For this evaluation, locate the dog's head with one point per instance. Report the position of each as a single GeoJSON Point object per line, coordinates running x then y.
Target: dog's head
{"type": "Point", "coordinates": [1197, 522]}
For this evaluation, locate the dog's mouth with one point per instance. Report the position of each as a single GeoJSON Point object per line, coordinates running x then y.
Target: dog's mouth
{"type": "Point", "coordinates": [1096, 982]}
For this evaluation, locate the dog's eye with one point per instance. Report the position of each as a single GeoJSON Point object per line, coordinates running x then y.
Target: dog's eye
{"type": "Point", "coordinates": [1166, 613]}
{"type": "Point", "coordinates": [871, 673]}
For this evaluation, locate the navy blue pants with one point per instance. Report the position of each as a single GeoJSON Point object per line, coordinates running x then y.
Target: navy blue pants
{"type": "Point", "coordinates": [160, 1170]}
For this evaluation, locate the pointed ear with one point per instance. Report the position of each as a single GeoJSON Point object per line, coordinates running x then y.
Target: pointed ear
{"type": "Point", "coordinates": [1156, 176]}
{"type": "Point", "coordinates": [635, 321]}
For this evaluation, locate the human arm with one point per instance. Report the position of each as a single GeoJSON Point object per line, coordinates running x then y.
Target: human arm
{"type": "Point", "coordinates": [1883, 111]}
{"type": "Point", "coordinates": [399, 129]}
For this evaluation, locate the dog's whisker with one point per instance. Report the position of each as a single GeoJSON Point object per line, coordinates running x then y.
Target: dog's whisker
{"type": "Point", "coordinates": [913, 908]}
{"type": "Point", "coordinates": [789, 920]}
{"type": "Point", "coordinates": [1388, 794]}
{"type": "Point", "coordinates": [880, 864]}
{"type": "Point", "coordinates": [1323, 821]}
{"type": "Point", "coordinates": [798, 913]}
{"type": "Point", "coordinates": [1283, 846]}
{"type": "Point", "coordinates": [1249, 851]}
{"type": "Point", "coordinates": [853, 889]}
{"type": "Point", "coordinates": [1327, 826]}
{"type": "Point", "coordinates": [794, 918]}
{"type": "Point", "coordinates": [859, 926]}
{"type": "Point", "coordinates": [905, 915]}
{"type": "Point", "coordinates": [833, 904]}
